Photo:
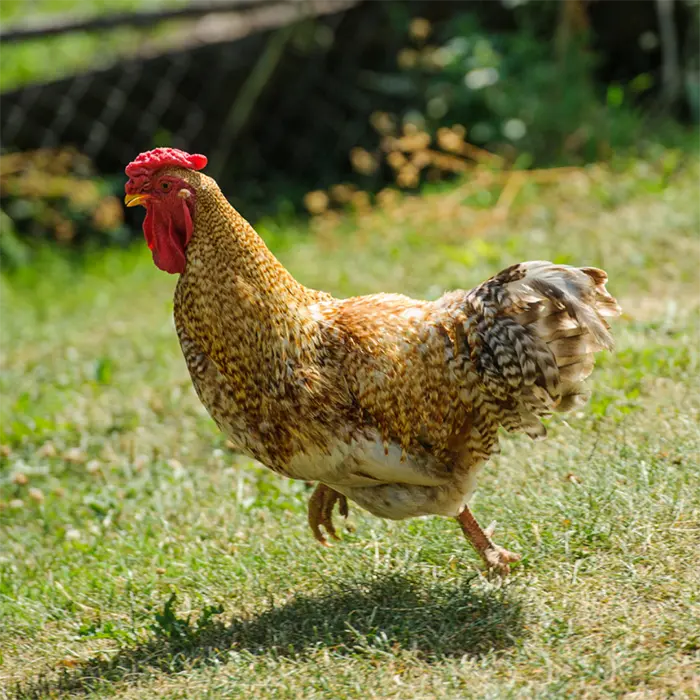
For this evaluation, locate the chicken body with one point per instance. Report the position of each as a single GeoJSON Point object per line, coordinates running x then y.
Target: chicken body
{"type": "Point", "coordinates": [394, 403]}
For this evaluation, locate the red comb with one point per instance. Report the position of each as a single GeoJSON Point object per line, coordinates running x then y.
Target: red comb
{"type": "Point", "coordinates": [161, 157]}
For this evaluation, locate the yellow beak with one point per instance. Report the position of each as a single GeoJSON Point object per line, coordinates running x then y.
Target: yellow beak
{"type": "Point", "coordinates": [132, 200]}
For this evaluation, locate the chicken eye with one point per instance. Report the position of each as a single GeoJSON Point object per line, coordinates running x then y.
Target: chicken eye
{"type": "Point", "coordinates": [165, 186]}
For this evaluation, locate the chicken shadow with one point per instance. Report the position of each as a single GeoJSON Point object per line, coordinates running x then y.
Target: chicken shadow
{"type": "Point", "coordinates": [384, 614]}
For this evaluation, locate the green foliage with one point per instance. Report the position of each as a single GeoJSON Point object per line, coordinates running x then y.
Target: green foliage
{"type": "Point", "coordinates": [53, 195]}
{"type": "Point", "coordinates": [54, 57]}
{"type": "Point", "coordinates": [517, 94]}
{"type": "Point", "coordinates": [182, 630]}
{"type": "Point", "coordinates": [13, 251]}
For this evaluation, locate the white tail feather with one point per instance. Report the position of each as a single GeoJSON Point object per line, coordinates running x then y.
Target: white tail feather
{"type": "Point", "coordinates": [533, 332]}
{"type": "Point", "coordinates": [566, 307]}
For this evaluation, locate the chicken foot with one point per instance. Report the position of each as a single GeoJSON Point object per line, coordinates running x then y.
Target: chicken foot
{"type": "Point", "coordinates": [324, 498]}
{"type": "Point", "coordinates": [321, 504]}
{"type": "Point", "coordinates": [496, 558]}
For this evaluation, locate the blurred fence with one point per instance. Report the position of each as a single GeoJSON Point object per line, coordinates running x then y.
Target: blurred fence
{"type": "Point", "coordinates": [275, 92]}
{"type": "Point", "coordinates": [268, 90]}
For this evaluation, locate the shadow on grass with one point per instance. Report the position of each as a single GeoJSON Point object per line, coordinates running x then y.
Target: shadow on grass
{"type": "Point", "coordinates": [380, 616]}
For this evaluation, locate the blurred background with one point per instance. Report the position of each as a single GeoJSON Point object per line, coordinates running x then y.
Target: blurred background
{"type": "Point", "coordinates": [309, 105]}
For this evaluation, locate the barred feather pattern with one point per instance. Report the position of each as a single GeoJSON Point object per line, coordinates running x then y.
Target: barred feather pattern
{"type": "Point", "coordinates": [393, 401]}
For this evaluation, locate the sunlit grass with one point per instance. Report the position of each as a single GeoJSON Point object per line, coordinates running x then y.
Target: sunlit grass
{"type": "Point", "coordinates": [116, 490]}
{"type": "Point", "coordinates": [54, 57]}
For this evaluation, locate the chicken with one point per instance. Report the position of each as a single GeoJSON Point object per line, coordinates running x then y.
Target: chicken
{"type": "Point", "coordinates": [390, 402]}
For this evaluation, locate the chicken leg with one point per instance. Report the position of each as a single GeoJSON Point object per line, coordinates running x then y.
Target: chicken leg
{"type": "Point", "coordinates": [495, 557]}
{"type": "Point", "coordinates": [321, 504]}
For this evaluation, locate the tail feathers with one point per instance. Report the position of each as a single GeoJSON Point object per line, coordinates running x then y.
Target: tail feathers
{"type": "Point", "coordinates": [552, 318]}
{"type": "Point", "coordinates": [577, 331]}
{"type": "Point", "coordinates": [566, 298]}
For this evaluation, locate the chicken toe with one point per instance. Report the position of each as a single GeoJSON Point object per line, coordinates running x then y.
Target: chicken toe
{"type": "Point", "coordinates": [321, 505]}
{"type": "Point", "coordinates": [496, 558]}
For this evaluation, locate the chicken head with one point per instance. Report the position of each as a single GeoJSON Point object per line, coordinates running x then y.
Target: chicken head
{"type": "Point", "coordinates": [169, 201]}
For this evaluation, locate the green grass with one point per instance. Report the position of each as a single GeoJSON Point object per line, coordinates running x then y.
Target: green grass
{"type": "Point", "coordinates": [142, 559]}
{"type": "Point", "coordinates": [50, 58]}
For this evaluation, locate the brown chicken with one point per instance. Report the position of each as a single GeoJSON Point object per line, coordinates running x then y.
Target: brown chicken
{"type": "Point", "coordinates": [391, 402]}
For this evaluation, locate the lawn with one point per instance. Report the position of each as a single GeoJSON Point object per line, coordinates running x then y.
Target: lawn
{"type": "Point", "coordinates": [141, 558]}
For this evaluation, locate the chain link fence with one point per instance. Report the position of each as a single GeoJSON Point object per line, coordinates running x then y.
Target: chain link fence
{"type": "Point", "coordinates": [271, 92]}
{"type": "Point", "coordinates": [276, 93]}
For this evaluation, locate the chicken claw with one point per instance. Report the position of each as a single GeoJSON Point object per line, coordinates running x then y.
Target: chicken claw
{"type": "Point", "coordinates": [321, 504]}
{"type": "Point", "coordinates": [496, 558]}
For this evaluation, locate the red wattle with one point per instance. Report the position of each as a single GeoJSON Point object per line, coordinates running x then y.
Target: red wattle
{"type": "Point", "coordinates": [167, 234]}
{"type": "Point", "coordinates": [148, 228]}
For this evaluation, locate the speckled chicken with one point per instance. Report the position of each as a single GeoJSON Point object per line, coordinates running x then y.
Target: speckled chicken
{"type": "Point", "coordinates": [390, 402]}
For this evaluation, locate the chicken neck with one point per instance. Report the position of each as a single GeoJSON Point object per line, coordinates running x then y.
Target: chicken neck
{"type": "Point", "coordinates": [236, 300]}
